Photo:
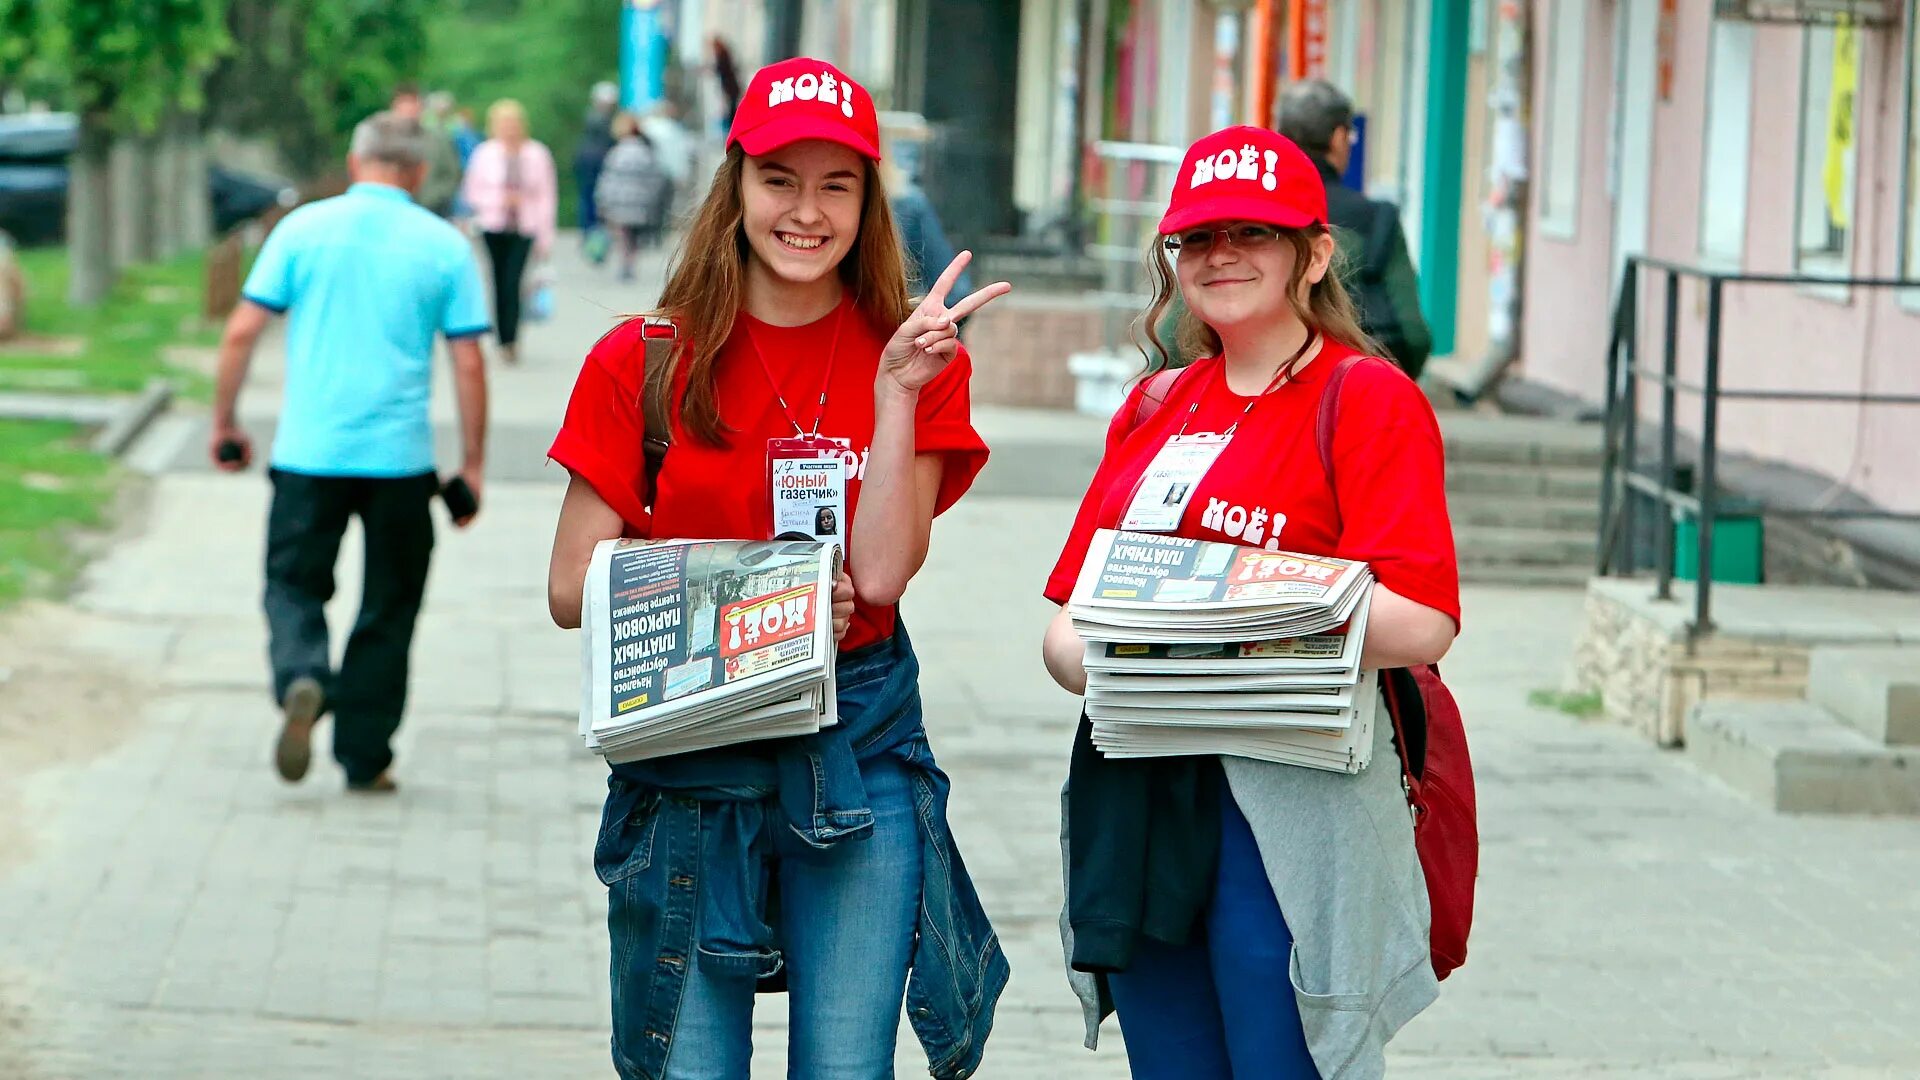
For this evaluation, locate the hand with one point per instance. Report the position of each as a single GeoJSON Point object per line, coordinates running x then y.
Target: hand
{"type": "Point", "coordinates": [472, 475]}
{"type": "Point", "coordinates": [842, 606]}
{"type": "Point", "coordinates": [929, 339]}
{"type": "Point", "coordinates": [229, 433]}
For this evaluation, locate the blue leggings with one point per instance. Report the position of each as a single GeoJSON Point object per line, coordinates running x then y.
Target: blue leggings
{"type": "Point", "coordinates": [1220, 1007]}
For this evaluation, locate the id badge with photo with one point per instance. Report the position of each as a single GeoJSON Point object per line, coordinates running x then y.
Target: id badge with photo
{"type": "Point", "coordinates": [809, 485]}
{"type": "Point", "coordinates": [1171, 478]}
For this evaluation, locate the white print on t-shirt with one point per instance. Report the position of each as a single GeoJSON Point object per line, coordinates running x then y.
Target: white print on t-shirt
{"type": "Point", "coordinates": [856, 463]}
{"type": "Point", "coordinates": [824, 88]}
{"type": "Point", "coordinates": [1236, 522]}
{"type": "Point", "coordinates": [1228, 165]}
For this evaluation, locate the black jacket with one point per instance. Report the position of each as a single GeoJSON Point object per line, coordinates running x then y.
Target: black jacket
{"type": "Point", "coordinates": [1143, 841]}
{"type": "Point", "coordinates": [1378, 272]}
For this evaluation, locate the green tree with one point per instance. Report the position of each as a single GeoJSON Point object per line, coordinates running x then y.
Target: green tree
{"type": "Point", "coordinates": [123, 65]}
{"type": "Point", "coordinates": [306, 71]}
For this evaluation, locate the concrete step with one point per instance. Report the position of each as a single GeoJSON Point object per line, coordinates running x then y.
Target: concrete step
{"type": "Point", "coordinates": [1797, 757]}
{"type": "Point", "coordinates": [1572, 576]}
{"type": "Point", "coordinates": [1529, 481]}
{"type": "Point", "coordinates": [1488, 511]}
{"type": "Point", "coordinates": [1481, 546]}
{"type": "Point", "coordinates": [1876, 689]}
{"type": "Point", "coordinates": [1519, 440]}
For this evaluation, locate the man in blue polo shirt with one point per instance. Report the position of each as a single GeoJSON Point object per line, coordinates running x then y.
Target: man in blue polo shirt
{"type": "Point", "coordinates": [367, 280]}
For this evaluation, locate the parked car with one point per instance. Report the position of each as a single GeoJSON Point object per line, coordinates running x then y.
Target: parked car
{"type": "Point", "coordinates": [34, 148]}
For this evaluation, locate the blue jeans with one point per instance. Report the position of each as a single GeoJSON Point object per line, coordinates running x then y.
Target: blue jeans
{"type": "Point", "coordinates": [846, 925]}
{"type": "Point", "coordinates": [1220, 1007]}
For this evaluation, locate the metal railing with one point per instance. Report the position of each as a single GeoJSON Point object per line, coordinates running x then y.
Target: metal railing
{"type": "Point", "coordinates": [1134, 182]}
{"type": "Point", "coordinates": [1622, 476]}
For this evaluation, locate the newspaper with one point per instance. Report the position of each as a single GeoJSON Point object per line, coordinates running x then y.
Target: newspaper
{"type": "Point", "coordinates": [694, 644]}
{"type": "Point", "coordinates": [1195, 647]}
{"type": "Point", "coordinates": [1143, 587]}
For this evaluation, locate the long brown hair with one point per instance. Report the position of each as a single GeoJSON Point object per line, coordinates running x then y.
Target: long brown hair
{"type": "Point", "coordinates": [1327, 309]}
{"type": "Point", "coordinates": [707, 286]}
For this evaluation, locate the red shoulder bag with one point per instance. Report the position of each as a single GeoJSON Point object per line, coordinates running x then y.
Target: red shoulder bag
{"type": "Point", "coordinates": [1435, 769]}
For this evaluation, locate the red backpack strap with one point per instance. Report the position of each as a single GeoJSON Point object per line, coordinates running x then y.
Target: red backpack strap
{"type": "Point", "coordinates": [1153, 394]}
{"type": "Point", "coordinates": [1330, 411]}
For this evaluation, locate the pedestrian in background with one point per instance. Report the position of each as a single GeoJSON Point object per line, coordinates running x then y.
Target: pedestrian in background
{"type": "Point", "coordinates": [590, 155]}
{"type": "Point", "coordinates": [726, 73]}
{"type": "Point", "coordinates": [789, 289]}
{"type": "Point", "coordinates": [442, 182]}
{"type": "Point", "coordinates": [1278, 925]}
{"type": "Point", "coordinates": [633, 192]}
{"type": "Point", "coordinates": [1375, 264]}
{"type": "Point", "coordinates": [922, 237]}
{"type": "Point", "coordinates": [511, 186]}
{"type": "Point", "coordinates": [367, 280]}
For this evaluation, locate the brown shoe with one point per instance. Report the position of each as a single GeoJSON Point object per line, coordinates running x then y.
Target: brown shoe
{"type": "Point", "coordinates": [384, 784]}
{"type": "Point", "coordinates": [301, 707]}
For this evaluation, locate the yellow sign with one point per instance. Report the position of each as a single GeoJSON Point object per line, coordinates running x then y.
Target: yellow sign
{"type": "Point", "coordinates": [1840, 108]}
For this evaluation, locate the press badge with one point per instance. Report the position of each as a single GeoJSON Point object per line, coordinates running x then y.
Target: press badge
{"type": "Point", "coordinates": [1161, 499]}
{"type": "Point", "coordinates": [809, 485]}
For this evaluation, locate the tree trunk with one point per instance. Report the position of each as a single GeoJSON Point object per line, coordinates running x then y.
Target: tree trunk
{"type": "Point", "coordinates": [167, 194]}
{"type": "Point", "coordinates": [89, 216]}
{"type": "Point", "coordinates": [132, 181]}
{"type": "Point", "coordinates": [196, 203]}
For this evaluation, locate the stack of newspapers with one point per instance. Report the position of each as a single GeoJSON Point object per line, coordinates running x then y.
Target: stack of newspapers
{"type": "Point", "coordinates": [1204, 648]}
{"type": "Point", "coordinates": [694, 644]}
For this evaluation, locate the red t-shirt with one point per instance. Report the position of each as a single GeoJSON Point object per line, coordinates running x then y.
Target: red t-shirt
{"type": "Point", "coordinates": [1268, 489]}
{"type": "Point", "coordinates": [722, 491]}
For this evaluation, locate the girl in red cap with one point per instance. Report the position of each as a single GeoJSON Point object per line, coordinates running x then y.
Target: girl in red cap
{"type": "Point", "coordinates": [821, 865]}
{"type": "Point", "coordinates": [1250, 919]}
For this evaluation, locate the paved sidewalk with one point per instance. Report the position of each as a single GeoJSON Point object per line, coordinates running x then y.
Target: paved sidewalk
{"type": "Point", "coordinates": [178, 912]}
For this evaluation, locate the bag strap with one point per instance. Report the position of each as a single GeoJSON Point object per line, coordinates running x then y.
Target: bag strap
{"type": "Point", "coordinates": [658, 337]}
{"type": "Point", "coordinates": [1154, 394]}
{"type": "Point", "coordinates": [1329, 412]}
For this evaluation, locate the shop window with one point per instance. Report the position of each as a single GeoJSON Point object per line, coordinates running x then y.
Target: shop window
{"type": "Point", "coordinates": [1829, 83]}
{"type": "Point", "coordinates": [1566, 71]}
{"type": "Point", "coordinates": [1727, 150]}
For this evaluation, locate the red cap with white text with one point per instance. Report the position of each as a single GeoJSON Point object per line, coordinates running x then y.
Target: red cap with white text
{"type": "Point", "coordinates": [1246, 174]}
{"type": "Point", "coordinates": [799, 99]}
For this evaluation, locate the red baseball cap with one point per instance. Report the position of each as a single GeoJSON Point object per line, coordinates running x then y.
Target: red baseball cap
{"type": "Point", "coordinates": [1246, 174]}
{"type": "Point", "coordinates": [802, 99]}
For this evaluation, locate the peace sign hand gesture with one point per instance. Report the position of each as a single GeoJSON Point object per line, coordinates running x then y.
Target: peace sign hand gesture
{"type": "Point", "coordinates": [929, 339]}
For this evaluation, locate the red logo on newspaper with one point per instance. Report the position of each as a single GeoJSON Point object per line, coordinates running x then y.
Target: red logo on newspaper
{"type": "Point", "coordinates": [767, 620]}
{"type": "Point", "coordinates": [1280, 566]}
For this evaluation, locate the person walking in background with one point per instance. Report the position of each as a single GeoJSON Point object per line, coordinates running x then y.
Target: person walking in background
{"type": "Point", "coordinates": [442, 181]}
{"type": "Point", "coordinates": [1376, 266]}
{"type": "Point", "coordinates": [596, 141]}
{"type": "Point", "coordinates": [466, 139]}
{"type": "Point", "coordinates": [511, 186]}
{"type": "Point", "coordinates": [922, 238]}
{"type": "Point", "coordinates": [440, 122]}
{"type": "Point", "coordinates": [632, 193]}
{"type": "Point", "coordinates": [367, 279]}
{"type": "Point", "coordinates": [727, 73]}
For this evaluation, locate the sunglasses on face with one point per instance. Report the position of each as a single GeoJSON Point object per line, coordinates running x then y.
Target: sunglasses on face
{"type": "Point", "coordinates": [1245, 237]}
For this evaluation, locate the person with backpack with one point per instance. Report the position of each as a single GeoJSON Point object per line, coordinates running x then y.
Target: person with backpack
{"type": "Point", "coordinates": [821, 864]}
{"type": "Point", "coordinates": [1246, 918]}
{"type": "Point", "coordinates": [632, 192]}
{"type": "Point", "coordinates": [1374, 262]}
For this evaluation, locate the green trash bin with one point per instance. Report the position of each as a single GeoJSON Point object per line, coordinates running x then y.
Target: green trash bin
{"type": "Point", "coordinates": [1738, 546]}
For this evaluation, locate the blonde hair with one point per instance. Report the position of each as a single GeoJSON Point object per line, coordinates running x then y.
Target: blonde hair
{"type": "Point", "coordinates": [1327, 307]}
{"type": "Point", "coordinates": [506, 109]}
{"type": "Point", "coordinates": [707, 287]}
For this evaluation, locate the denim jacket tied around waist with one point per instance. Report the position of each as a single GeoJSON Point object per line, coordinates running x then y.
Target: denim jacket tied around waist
{"type": "Point", "coordinates": [692, 835]}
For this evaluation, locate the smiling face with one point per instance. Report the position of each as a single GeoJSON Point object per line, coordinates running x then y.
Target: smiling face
{"type": "Point", "coordinates": [800, 208]}
{"type": "Point", "coordinates": [1246, 281]}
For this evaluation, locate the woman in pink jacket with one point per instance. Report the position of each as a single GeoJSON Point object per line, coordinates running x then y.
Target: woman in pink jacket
{"type": "Point", "coordinates": [510, 184]}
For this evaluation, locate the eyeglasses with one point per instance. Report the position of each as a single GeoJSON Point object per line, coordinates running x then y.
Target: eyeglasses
{"type": "Point", "coordinates": [1246, 237]}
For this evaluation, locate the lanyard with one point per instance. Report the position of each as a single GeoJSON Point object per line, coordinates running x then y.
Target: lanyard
{"type": "Point", "coordinates": [1280, 379]}
{"type": "Point", "coordinates": [833, 349]}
